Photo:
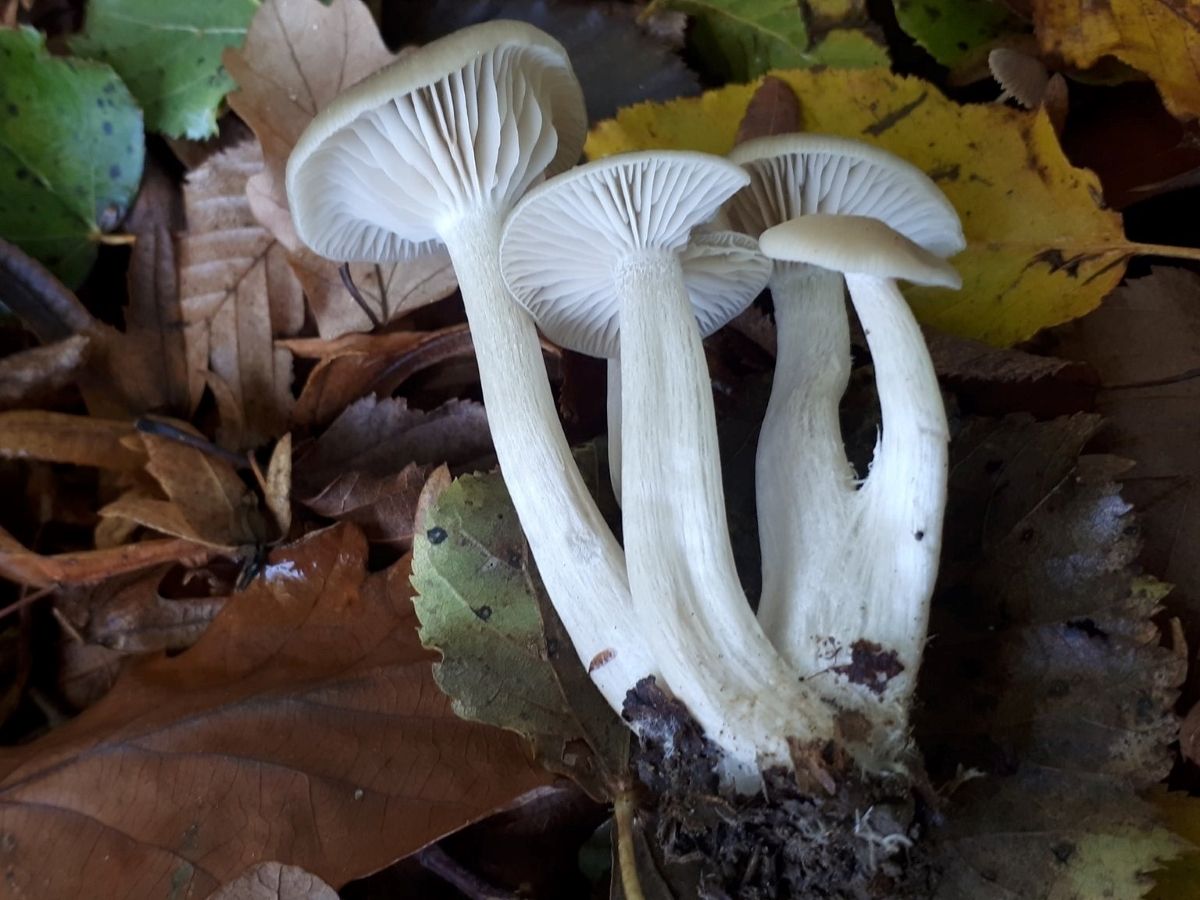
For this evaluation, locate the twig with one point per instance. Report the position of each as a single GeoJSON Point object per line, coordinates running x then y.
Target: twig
{"type": "Point", "coordinates": [445, 867]}
{"type": "Point", "coordinates": [348, 281]}
{"type": "Point", "coordinates": [27, 600]}
{"type": "Point", "coordinates": [165, 430]}
{"type": "Point", "coordinates": [623, 810]}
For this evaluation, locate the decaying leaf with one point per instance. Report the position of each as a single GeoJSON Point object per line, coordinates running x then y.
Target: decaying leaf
{"type": "Point", "coordinates": [957, 33]}
{"type": "Point", "coordinates": [355, 365]}
{"type": "Point", "coordinates": [275, 881]}
{"type": "Point", "coordinates": [1044, 690]}
{"type": "Point", "coordinates": [1144, 342]}
{"type": "Point", "coordinates": [64, 438]}
{"type": "Point", "coordinates": [73, 146]}
{"type": "Point", "coordinates": [1041, 247]}
{"type": "Point", "coordinates": [22, 565]}
{"type": "Point", "coordinates": [203, 499]}
{"type": "Point", "coordinates": [30, 375]}
{"type": "Point", "coordinates": [306, 720]}
{"type": "Point", "coordinates": [178, 84]}
{"type": "Point", "coordinates": [298, 55]}
{"type": "Point", "coordinates": [237, 293]}
{"type": "Point", "coordinates": [478, 601]}
{"type": "Point", "coordinates": [1158, 37]}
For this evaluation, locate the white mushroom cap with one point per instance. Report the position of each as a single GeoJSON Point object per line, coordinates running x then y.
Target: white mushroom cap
{"type": "Point", "coordinates": [465, 123]}
{"type": "Point", "coordinates": [565, 241]}
{"type": "Point", "coordinates": [857, 245]}
{"type": "Point", "coordinates": [794, 175]}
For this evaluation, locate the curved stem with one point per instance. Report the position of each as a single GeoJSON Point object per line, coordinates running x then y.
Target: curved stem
{"type": "Point", "coordinates": [904, 497]}
{"type": "Point", "coordinates": [1165, 250]}
{"type": "Point", "coordinates": [614, 426]}
{"type": "Point", "coordinates": [577, 556]}
{"type": "Point", "coordinates": [804, 483]}
{"type": "Point", "coordinates": [710, 647]}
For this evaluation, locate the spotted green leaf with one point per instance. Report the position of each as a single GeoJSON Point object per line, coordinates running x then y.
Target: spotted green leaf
{"type": "Point", "coordinates": [169, 53]}
{"type": "Point", "coordinates": [71, 150]}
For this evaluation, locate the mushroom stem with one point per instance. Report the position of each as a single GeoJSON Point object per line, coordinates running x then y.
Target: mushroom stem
{"type": "Point", "coordinates": [905, 494]}
{"type": "Point", "coordinates": [577, 556]}
{"type": "Point", "coordinates": [709, 646]}
{"type": "Point", "coordinates": [614, 426]}
{"type": "Point", "coordinates": [805, 486]}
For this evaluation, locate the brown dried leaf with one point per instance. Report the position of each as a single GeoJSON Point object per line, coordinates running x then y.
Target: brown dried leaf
{"type": "Point", "coordinates": [275, 881]}
{"type": "Point", "coordinates": [30, 375]}
{"type": "Point", "coordinates": [277, 490]}
{"type": "Point", "coordinates": [86, 672]}
{"type": "Point", "coordinates": [307, 724]}
{"type": "Point", "coordinates": [63, 438]}
{"type": "Point", "coordinates": [774, 109]}
{"type": "Point", "coordinates": [299, 55]}
{"type": "Point", "coordinates": [383, 506]}
{"type": "Point", "coordinates": [355, 365]}
{"type": "Point", "coordinates": [205, 500]}
{"type": "Point", "coordinates": [19, 564]}
{"type": "Point", "coordinates": [237, 293]}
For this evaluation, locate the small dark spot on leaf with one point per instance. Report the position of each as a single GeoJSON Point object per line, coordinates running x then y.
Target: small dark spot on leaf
{"type": "Point", "coordinates": [1026, 536]}
{"type": "Point", "coordinates": [13, 109]}
{"type": "Point", "coordinates": [1063, 851]}
{"type": "Point", "coordinates": [110, 87]}
{"type": "Point", "coordinates": [106, 127]}
{"type": "Point", "coordinates": [1088, 627]}
{"type": "Point", "coordinates": [484, 613]}
{"type": "Point", "coordinates": [22, 174]}
{"type": "Point", "coordinates": [963, 46]}
{"type": "Point", "coordinates": [436, 535]}
{"type": "Point", "coordinates": [920, 535]}
{"type": "Point", "coordinates": [114, 171]}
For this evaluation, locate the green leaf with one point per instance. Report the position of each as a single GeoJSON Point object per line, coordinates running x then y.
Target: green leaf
{"type": "Point", "coordinates": [71, 151]}
{"type": "Point", "coordinates": [169, 53]}
{"type": "Point", "coordinates": [481, 603]}
{"type": "Point", "coordinates": [742, 39]}
{"type": "Point", "coordinates": [955, 32]}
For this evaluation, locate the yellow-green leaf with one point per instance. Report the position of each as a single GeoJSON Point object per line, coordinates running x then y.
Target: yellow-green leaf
{"type": "Point", "coordinates": [1177, 879]}
{"type": "Point", "coordinates": [1041, 250]}
{"type": "Point", "coordinates": [1159, 37]}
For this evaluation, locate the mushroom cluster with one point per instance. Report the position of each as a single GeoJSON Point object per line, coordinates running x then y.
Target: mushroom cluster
{"type": "Point", "coordinates": [471, 142]}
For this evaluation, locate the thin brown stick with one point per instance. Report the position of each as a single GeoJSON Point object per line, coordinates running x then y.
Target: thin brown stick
{"type": "Point", "coordinates": [624, 808]}
{"type": "Point", "coordinates": [352, 288]}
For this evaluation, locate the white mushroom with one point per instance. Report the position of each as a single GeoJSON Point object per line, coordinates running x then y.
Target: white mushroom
{"type": "Point", "coordinates": [848, 572]}
{"type": "Point", "coordinates": [597, 250]}
{"type": "Point", "coordinates": [436, 148]}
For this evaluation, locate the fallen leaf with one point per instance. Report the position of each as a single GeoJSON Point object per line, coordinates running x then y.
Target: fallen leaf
{"type": "Point", "coordinates": [773, 109]}
{"type": "Point", "coordinates": [73, 144]}
{"type": "Point", "coordinates": [298, 56]}
{"type": "Point", "coordinates": [19, 564]}
{"type": "Point", "coordinates": [478, 599]}
{"type": "Point", "coordinates": [1158, 37]}
{"type": "Point", "coordinates": [352, 366]}
{"type": "Point", "coordinates": [64, 438]}
{"type": "Point", "coordinates": [1041, 248]}
{"type": "Point", "coordinates": [237, 293]}
{"type": "Point", "coordinates": [1144, 342]}
{"type": "Point", "coordinates": [277, 487]}
{"type": "Point", "coordinates": [1177, 880]}
{"type": "Point", "coordinates": [593, 35]}
{"type": "Point", "coordinates": [43, 303]}
{"type": "Point", "coordinates": [957, 33]}
{"type": "Point", "coordinates": [1045, 678]}
{"type": "Point", "coordinates": [203, 499]}
{"type": "Point", "coordinates": [307, 724]}
{"type": "Point", "coordinates": [275, 881]}
{"type": "Point", "coordinates": [169, 53]}
{"type": "Point", "coordinates": [86, 672]}
{"type": "Point", "coordinates": [30, 375]}
{"type": "Point", "coordinates": [743, 39]}
{"type": "Point", "coordinates": [369, 466]}
{"type": "Point", "coordinates": [130, 614]}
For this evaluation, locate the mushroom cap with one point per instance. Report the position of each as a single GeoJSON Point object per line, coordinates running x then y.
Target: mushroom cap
{"type": "Point", "coordinates": [794, 175]}
{"type": "Point", "coordinates": [857, 245]}
{"type": "Point", "coordinates": [465, 123]}
{"type": "Point", "coordinates": [566, 239]}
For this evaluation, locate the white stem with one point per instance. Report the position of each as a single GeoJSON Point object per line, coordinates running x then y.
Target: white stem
{"type": "Point", "coordinates": [905, 493]}
{"type": "Point", "coordinates": [708, 644]}
{"type": "Point", "coordinates": [579, 560]}
{"type": "Point", "coordinates": [805, 486]}
{"type": "Point", "coordinates": [614, 426]}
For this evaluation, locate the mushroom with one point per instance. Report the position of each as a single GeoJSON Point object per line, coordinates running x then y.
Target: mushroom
{"type": "Point", "coordinates": [847, 570]}
{"type": "Point", "coordinates": [437, 147]}
{"type": "Point", "coordinates": [723, 272]}
{"type": "Point", "coordinates": [598, 250]}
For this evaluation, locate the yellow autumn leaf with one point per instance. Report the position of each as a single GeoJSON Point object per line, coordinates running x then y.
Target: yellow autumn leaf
{"type": "Point", "coordinates": [1041, 248]}
{"type": "Point", "coordinates": [1158, 37]}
